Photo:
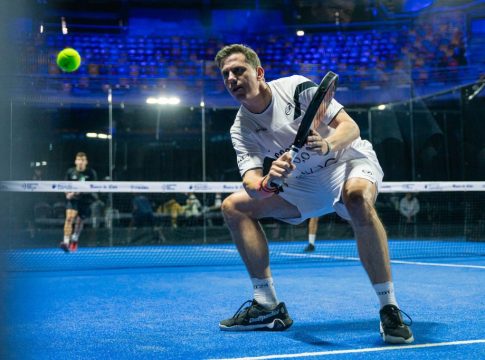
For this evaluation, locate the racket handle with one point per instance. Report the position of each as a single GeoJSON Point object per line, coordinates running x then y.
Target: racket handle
{"type": "Point", "coordinates": [279, 182]}
{"type": "Point", "coordinates": [294, 152]}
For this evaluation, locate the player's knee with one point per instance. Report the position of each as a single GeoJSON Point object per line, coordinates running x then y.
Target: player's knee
{"type": "Point", "coordinates": [228, 207]}
{"type": "Point", "coordinates": [358, 202]}
{"type": "Point", "coordinates": [70, 219]}
{"type": "Point", "coordinates": [231, 208]}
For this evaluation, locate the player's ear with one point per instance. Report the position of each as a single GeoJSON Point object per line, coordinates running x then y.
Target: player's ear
{"type": "Point", "coordinates": [260, 73]}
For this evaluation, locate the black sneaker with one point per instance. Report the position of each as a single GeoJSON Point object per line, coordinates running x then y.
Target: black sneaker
{"type": "Point", "coordinates": [256, 317]}
{"type": "Point", "coordinates": [392, 328]}
{"type": "Point", "coordinates": [309, 248]}
{"type": "Point", "coordinates": [64, 246]}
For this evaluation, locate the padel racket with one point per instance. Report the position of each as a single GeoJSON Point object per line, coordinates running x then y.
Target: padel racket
{"type": "Point", "coordinates": [319, 103]}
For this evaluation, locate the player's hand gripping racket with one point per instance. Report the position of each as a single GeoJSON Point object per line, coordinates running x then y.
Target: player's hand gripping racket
{"type": "Point", "coordinates": [319, 103]}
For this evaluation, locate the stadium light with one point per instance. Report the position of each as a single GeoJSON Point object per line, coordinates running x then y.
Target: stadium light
{"type": "Point", "coordinates": [300, 33]}
{"type": "Point", "coordinates": [381, 107]}
{"type": "Point", "coordinates": [98, 136]}
{"type": "Point", "coordinates": [64, 26]}
{"type": "Point", "coordinates": [173, 100]}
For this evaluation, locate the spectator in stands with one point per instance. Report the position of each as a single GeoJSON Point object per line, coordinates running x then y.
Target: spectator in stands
{"type": "Point", "coordinates": [340, 173]}
{"type": "Point", "coordinates": [214, 211]}
{"type": "Point", "coordinates": [172, 208]}
{"type": "Point", "coordinates": [216, 206]}
{"type": "Point", "coordinates": [38, 173]}
{"type": "Point", "coordinates": [409, 207]}
{"type": "Point", "coordinates": [97, 213]}
{"type": "Point", "coordinates": [193, 207]}
{"type": "Point", "coordinates": [142, 215]}
{"type": "Point", "coordinates": [78, 204]}
{"type": "Point", "coordinates": [332, 11]}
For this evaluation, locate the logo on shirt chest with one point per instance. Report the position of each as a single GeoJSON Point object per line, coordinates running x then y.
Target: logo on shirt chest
{"type": "Point", "coordinates": [288, 108]}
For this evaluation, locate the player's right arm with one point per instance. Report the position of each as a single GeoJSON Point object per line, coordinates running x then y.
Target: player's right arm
{"type": "Point", "coordinates": [258, 186]}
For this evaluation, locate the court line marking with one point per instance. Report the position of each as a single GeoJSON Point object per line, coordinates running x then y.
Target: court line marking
{"type": "Point", "coordinates": [363, 350]}
{"type": "Point", "coordinates": [392, 261]}
{"type": "Point", "coordinates": [437, 264]}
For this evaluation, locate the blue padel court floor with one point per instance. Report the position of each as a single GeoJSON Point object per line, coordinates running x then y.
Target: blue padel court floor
{"type": "Point", "coordinates": [173, 312]}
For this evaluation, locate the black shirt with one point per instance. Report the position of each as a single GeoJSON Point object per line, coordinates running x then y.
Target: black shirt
{"type": "Point", "coordinates": [87, 175]}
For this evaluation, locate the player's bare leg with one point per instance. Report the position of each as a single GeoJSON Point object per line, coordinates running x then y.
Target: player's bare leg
{"type": "Point", "coordinates": [359, 196]}
{"type": "Point", "coordinates": [71, 215]}
{"type": "Point", "coordinates": [241, 213]}
{"type": "Point", "coordinates": [78, 228]}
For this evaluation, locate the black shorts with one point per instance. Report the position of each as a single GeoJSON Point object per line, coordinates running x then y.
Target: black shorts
{"type": "Point", "coordinates": [83, 208]}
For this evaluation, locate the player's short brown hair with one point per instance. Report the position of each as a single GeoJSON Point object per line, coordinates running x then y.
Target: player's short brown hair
{"type": "Point", "coordinates": [81, 154]}
{"type": "Point", "coordinates": [251, 56]}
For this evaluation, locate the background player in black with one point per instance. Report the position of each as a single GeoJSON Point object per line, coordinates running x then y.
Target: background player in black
{"type": "Point", "coordinates": [78, 204]}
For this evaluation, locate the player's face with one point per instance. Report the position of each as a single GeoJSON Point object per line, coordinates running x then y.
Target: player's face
{"type": "Point", "coordinates": [240, 78]}
{"type": "Point", "coordinates": [81, 163]}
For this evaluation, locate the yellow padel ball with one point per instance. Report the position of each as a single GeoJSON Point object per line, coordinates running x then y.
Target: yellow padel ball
{"type": "Point", "coordinates": [68, 60]}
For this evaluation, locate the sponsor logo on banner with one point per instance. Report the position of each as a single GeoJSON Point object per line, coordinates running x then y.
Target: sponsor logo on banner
{"type": "Point", "coordinates": [408, 186]}
{"type": "Point", "coordinates": [97, 187]}
{"type": "Point", "coordinates": [432, 186]}
{"type": "Point", "coordinates": [199, 187]}
{"type": "Point", "coordinates": [30, 186]}
{"type": "Point", "coordinates": [138, 187]}
{"type": "Point", "coordinates": [231, 187]}
{"type": "Point", "coordinates": [168, 187]}
{"type": "Point", "coordinates": [103, 186]}
{"type": "Point", "coordinates": [462, 186]}
{"type": "Point", "coordinates": [64, 187]}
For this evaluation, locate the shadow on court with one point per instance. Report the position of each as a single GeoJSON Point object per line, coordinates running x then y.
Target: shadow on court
{"type": "Point", "coordinates": [324, 333]}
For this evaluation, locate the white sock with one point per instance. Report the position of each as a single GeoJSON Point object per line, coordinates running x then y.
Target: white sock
{"type": "Point", "coordinates": [385, 293]}
{"type": "Point", "coordinates": [66, 239]}
{"type": "Point", "coordinates": [264, 292]}
{"type": "Point", "coordinates": [75, 237]}
{"type": "Point", "coordinates": [311, 238]}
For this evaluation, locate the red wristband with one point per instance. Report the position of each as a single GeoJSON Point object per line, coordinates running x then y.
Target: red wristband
{"type": "Point", "coordinates": [264, 187]}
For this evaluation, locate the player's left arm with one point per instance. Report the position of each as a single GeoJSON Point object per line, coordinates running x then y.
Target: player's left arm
{"type": "Point", "coordinates": [346, 131]}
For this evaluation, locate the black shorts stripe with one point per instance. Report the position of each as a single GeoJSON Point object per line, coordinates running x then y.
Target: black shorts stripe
{"type": "Point", "coordinates": [296, 97]}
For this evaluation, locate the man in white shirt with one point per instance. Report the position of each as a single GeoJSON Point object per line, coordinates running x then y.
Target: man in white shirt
{"type": "Point", "coordinates": [336, 171]}
{"type": "Point", "coordinates": [409, 207]}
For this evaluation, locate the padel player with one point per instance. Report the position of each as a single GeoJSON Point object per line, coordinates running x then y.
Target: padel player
{"type": "Point", "coordinates": [335, 171]}
{"type": "Point", "coordinates": [78, 204]}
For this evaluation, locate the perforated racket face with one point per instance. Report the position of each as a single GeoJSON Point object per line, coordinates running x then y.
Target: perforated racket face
{"type": "Point", "coordinates": [322, 109]}
{"type": "Point", "coordinates": [318, 106]}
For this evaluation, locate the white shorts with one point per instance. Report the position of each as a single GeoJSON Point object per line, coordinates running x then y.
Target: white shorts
{"type": "Point", "coordinates": [321, 193]}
